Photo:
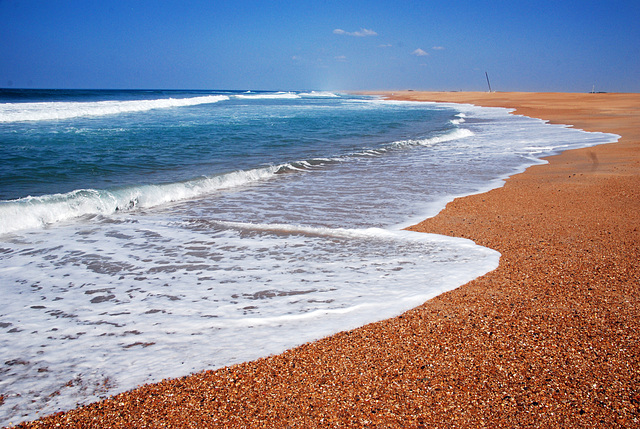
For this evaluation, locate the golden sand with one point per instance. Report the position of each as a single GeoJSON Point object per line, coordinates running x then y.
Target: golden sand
{"type": "Point", "coordinates": [551, 338]}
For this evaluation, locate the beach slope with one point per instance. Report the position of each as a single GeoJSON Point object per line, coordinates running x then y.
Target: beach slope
{"type": "Point", "coordinates": [551, 338]}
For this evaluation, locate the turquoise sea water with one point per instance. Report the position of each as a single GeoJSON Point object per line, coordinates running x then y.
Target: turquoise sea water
{"type": "Point", "coordinates": [150, 234]}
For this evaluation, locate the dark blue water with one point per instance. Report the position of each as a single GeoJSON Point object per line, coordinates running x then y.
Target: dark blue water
{"type": "Point", "coordinates": [173, 144]}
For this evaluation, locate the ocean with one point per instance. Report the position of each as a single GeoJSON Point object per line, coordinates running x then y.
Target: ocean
{"type": "Point", "coordinates": [152, 234]}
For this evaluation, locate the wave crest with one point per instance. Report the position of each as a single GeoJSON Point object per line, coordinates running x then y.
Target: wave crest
{"type": "Point", "coordinates": [455, 134]}
{"type": "Point", "coordinates": [270, 96]}
{"type": "Point", "coordinates": [38, 212]}
{"type": "Point", "coordinates": [47, 111]}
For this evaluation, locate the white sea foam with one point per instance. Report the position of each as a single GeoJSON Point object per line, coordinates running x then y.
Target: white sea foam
{"type": "Point", "coordinates": [137, 301]}
{"type": "Point", "coordinates": [319, 94]}
{"type": "Point", "coordinates": [46, 111]}
{"type": "Point", "coordinates": [269, 96]}
{"type": "Point", "coordinates": [460, 119]}
{"type": "Point", "coordinates": [41, 211]}
{"type": "Point", "coordinates": [38, 212]}
{"type": "Point", "coordinates": [454, 134]}
{"type": "Point", "coordinates": [98, 306]}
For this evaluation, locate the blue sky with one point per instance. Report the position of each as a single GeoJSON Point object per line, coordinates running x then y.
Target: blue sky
{"type": "Point", "coordinates": [535, 45]}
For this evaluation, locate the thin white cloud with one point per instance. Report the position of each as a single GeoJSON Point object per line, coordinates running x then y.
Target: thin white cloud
{"type": "Point", "coordinates": [437, 48]}
{"type": "Point", "coordinates": [341, 58]}
{"type": "Point", "coordinates": [387, 45]}
{"type": "Point", "coordinates": [364, 32]}
{"type": "Point", "coordinates": [419, 53]}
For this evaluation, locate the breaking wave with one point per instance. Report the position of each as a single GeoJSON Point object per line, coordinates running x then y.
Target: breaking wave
{"type": "Point", "coordinates": [38, 212]}
{"type": "Point", "coordinates": [48, 111]}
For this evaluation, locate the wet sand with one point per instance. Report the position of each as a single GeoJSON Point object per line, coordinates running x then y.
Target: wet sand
{"type": "Point", "coordinates": [551, 338]}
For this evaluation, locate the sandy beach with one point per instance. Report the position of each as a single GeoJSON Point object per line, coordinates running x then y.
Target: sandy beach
{"type": "Point", "coordinates": [549, 339]}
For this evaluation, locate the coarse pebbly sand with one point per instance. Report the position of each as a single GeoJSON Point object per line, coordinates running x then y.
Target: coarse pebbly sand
{"type": "Point", "coordinates": [550, 339]}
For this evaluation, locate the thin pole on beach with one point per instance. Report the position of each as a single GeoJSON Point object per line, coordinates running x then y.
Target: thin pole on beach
{"type": "Point", "coordinates": [488, 83]}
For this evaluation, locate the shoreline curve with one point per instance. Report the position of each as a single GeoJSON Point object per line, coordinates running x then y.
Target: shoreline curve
{"type": "Point", "coordinates": [548, 339]}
